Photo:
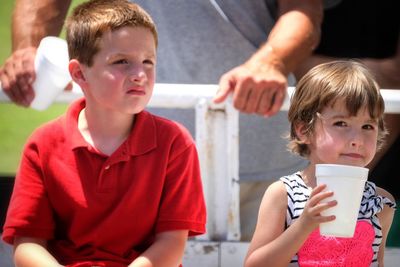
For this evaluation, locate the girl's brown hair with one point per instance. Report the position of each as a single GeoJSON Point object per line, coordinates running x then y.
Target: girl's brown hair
{"type": "Point", "coordinates": [322, 86]}
{"type": "Point", "coordinates": [88, 21]}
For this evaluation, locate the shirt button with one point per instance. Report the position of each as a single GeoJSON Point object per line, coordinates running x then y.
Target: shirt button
{"type": "Point", "coordinates": [107, 167]}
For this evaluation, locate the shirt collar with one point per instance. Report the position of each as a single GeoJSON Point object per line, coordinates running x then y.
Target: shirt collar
{"type": "Point", "coordinates": [143, 136]}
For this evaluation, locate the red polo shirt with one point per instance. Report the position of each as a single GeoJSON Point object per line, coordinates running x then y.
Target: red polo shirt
{"type": "Point", "coordinates": [106, 208]}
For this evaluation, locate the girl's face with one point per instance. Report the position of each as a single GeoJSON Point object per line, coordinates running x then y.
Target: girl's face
{"type": "Point", "coordinates": [339, 138]}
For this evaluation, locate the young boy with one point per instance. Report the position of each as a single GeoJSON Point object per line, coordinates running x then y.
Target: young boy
{"type": "Point", "coordinates": [107, 184]}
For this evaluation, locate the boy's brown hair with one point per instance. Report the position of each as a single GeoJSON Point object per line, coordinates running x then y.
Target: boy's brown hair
{"type": "Point", "coordinates": [88, 22]}
{"type": "Point", "coordinates": [324, 84]}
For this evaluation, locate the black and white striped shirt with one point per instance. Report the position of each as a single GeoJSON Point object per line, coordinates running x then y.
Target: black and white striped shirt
{"type": "Point", "coordinates": [371, 204]}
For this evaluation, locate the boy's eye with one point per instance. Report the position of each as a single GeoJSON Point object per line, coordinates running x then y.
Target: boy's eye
{"type": "Point", "coordinates": [121, 61]}
{"type": "Point", "coordinates": [148, 62]}
{"type": "Point", "coordinates": [340, 123]}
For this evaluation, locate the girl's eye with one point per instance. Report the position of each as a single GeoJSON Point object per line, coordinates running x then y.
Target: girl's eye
{"type": "Point", "coordinates": [340, 123]}
{"type": "Point", "coordinates": [368, 127]}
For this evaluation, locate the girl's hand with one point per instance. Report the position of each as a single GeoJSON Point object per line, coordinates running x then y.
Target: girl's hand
{"type": "Point", "coordinates": [311, 216]}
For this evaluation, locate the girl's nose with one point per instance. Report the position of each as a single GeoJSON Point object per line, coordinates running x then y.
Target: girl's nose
{"type": "Point", "coordinates": [356, 138]}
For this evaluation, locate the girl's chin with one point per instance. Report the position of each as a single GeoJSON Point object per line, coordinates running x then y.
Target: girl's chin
{"type": "Point", "coordinates": [356, 163]}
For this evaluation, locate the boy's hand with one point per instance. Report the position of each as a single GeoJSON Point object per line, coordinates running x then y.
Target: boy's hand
{"type": "Point", "coordinates": [167, 250]}
{"type": "Point", "coordinates": [311, 216]}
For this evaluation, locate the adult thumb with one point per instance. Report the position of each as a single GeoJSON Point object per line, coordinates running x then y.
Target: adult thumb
{"type": "Point", "coordinates": [225, 88]}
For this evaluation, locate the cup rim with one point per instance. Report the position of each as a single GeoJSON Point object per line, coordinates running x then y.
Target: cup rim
{"type": "Point", "coordinates": [45, 58]}
{"type": "Point", "coordinates": [347, 170]}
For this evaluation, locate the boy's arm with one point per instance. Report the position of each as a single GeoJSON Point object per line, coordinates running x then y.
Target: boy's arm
{"type": "Point", "coordinates": [167, 250]}
{"type": "Point", "coordinates": [385, 219]}
{"type": "Point", "coordinates": [32, 252]}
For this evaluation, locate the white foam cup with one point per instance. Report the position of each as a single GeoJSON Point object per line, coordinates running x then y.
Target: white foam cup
{"type": "Point", "coordinates": [52, 75]}
{"type": "Point", "coordinates": [347, 183]}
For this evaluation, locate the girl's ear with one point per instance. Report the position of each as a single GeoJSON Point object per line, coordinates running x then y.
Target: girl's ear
{"type": "Point", "coordinates": [302, 133]}
{"type": "Point", "coordinates": [77, 73]}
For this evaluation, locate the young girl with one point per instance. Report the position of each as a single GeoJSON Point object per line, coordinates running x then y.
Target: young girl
{"type": "Point", "coordinates": [336, 117]}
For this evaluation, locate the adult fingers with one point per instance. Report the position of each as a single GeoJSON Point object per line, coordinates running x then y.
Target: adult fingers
{"type": "Point", "coordinates": [276, 102]}
{"type": "Point", "coordinates": [264, 103]}
{"type": "Point", "coordinates": [27, 71]}
{"type": "Point", "coordinates": [5, 85]}
{"type": "Point", "coordinates": [27, 74]}
{"type": "Point", "coordinates": [22, 85]}
{"type": "Point", "coordinates": [225, 87]}
{"type": "Point", "coordinates": [253, 99]}
{"type": "Point", "coordinates": [8, 81]}
{"type": "Point", "coordinates": [16, 76]}
{"type": "Point", "coordinates": [241, 94]}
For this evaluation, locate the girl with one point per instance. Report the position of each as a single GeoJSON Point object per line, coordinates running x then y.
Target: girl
{"type": "Point", "coordinates": [336, 117]}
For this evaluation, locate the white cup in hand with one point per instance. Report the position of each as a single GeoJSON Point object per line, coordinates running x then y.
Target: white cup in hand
{"type": "Point", "coordinates": [52, 75]}
{"type": "Point", "coordinates": [347, 183]}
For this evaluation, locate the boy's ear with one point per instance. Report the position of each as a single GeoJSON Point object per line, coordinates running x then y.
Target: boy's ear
{"type": "Point", "coordinates": [302, 133]}
{"type": "Point", "coordinates": [77, 73]}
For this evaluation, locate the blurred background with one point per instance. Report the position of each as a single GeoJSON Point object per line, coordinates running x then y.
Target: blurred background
{"type": "Point", "coordinates": [16, 123]}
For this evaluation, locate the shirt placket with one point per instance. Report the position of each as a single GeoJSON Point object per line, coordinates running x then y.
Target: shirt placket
{"type": "Point", "coordinates": [108, 176]}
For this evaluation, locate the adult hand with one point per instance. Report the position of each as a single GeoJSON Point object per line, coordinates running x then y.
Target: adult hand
{"type": "Point", "coordinates": [257, 87]}
{"type": "Point", "coordinates": [17, 75]}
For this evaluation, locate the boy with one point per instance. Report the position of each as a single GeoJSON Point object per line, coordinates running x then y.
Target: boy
{"type": "Point", "coordinates": [107, 184]}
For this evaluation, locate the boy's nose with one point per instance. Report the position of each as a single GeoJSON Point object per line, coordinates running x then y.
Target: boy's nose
{"type": "Point", "coordinates": [137, 74]}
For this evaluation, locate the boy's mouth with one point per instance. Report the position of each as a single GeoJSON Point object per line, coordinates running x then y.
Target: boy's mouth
{"type": "Point", "coordinates": [136, 91]}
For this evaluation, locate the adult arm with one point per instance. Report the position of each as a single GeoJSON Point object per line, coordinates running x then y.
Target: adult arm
{"type": "Point", "coordinates": [259, 85]}
{"type": "Point", "coordinates": [31, 21]}
{"type": "Point", "coordinates": [167, 250]}
{"type": "Point", "coordinates": [32, 252]}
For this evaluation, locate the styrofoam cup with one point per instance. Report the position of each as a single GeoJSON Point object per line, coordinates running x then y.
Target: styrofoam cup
{"type": "Point", "coordinates": [52, 75]}
{"type": "Point", "coordinates": [347, 183]}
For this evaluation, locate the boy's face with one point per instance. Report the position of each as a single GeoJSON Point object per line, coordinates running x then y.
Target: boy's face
{"type": "Point", "coordinates": [342, 139]}
{"type": "Point", "coordinates": [123, 72]}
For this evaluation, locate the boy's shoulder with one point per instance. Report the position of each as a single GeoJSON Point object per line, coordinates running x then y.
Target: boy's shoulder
{"type": "Point", "coordinates": [45, 140]}
{"type": "Point", "coordinates": [169, 128]}
{"type": "Point", "coordinates": [50, 130]}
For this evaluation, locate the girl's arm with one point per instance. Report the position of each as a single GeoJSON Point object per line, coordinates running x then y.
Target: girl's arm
{"type": "Point", "coordinates": [271, 244]}
{"type": "Point", "coordinates": [32, 252]}
{"type": "Point", "coordinates": [167, 250]}
{"type": "Point", "coordinates": [385, 218]}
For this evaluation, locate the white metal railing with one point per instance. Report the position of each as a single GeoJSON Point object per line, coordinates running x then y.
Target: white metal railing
{"type": "Point", "coordinates": [188, 95]}
{"type": "Point", "coordinates": [217, 141]}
